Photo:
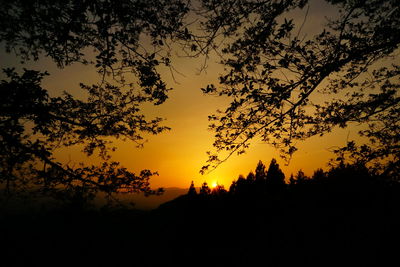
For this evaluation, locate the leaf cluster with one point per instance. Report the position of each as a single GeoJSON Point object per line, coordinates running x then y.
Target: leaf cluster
{"type": "Point", "coordinates": [276, 77]}
{"type": "Point", "coordinates": [33, 125]}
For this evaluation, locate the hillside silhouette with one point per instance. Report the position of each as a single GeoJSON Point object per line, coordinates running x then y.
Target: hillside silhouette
{"type": "Point", "coordinates": [288, 71]}
{"type": "Point", "coordinates": [346, 216]}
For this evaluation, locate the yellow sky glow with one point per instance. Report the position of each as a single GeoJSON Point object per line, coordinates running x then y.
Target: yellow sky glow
{"type": "Point", "coordinates": [179, 154]}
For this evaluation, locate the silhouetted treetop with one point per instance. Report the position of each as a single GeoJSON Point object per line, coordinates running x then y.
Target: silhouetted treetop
{"type": "Point", "coordinates": [275, 180]}
{"type": "Point", "coordinates": [219, 190]}
{"type": "Point", "coordinates": [192, 190]}
{"type": "Point", "coordinates": [300, 178]}
{"type": "Point", "coordinates": [250, 176]}
{"type": "Point", "coordinates": [260, 173]}
{"type": "Point", "coordinates": [319, 174]}
{"type": "Point", "coordinates": [262, 183]}
{"type": "Point", "coordinates": [205, 189]}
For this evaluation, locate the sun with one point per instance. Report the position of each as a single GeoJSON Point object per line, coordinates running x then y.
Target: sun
{"type": "Point", "coordinates": [214, 184]}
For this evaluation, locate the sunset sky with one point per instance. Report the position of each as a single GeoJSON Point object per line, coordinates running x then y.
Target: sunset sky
{"type": "Point", "coordinates": [178, 155]}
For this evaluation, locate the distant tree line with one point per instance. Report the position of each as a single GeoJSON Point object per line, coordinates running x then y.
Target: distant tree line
{"type": "Point", "coordinates": [338, 215]}
{"type": "Point", "coordinates": [267, 183]}
{"type": "Point", "coordinates": [263, 181]}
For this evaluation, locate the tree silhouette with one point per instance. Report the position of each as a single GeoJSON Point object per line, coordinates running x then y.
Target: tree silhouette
{"type": "Point", "coordinates": [114, 31]}
{"type": "Point", "coordinates": [274, 72]}
{"type": "Point", "coordinates": [127, 42]}
{"type": "Point", "coordinates": [250, 177]}
{"type": "Point", "coordinates": [275, 180]}
{"type": "Point", "coordinates": [292, 180]}
{"type": "Point", "coordinates": [301, 177]}
{"type": "Point", "coordinates": [192, 190]}
{"type": "Point", "coordinates": [33, 125]}
{"type": "Point", "coordinates": [205, 190]}
{"type": "Point", "coordinates": [259, 184]}
{"type": "Point", "coordinates": [219, 191]}
{"type": "Point", "coordinates": [239, 186]}
{"type": "Point", "coordinates": [319, 175]}
{"type": "Point", "coordinates": [260, 173]}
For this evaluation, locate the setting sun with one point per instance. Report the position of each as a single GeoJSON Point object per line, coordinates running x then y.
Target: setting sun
{"type": "Point", "coordinates": [214, 184]}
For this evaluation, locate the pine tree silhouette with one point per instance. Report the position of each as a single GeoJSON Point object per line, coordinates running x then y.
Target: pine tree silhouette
{"type": "Point", "coordinates": [275, 179]}
{"type": "Point", "coordinates": [205, 190]}
{"type": "Point", "coordinates": [192, 190]}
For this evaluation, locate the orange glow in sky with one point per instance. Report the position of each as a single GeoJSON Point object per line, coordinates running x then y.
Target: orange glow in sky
{"type": "Point", "coordinates": [179, 154]}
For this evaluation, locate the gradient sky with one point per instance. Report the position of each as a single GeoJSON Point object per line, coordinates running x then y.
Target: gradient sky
{"type": "Point", "coordinates": [179, 154]}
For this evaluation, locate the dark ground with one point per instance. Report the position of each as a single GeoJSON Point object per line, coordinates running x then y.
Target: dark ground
{"type": "Point", "coordinates": [313, 225]}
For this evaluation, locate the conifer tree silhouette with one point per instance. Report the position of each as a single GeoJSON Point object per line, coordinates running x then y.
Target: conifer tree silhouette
{"type": "Point", "coordinates": [205, 190]}
{"type": "Point", "coordinates": [192, 190]}
{"type": "Point", "coordinates": [275, 179]}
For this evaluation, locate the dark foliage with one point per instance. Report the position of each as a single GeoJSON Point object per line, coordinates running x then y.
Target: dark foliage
{"type": "Point", "coordinates": [346, 215]}
{"type": "Point", "coordinates": [115, 31]}
{"type": "Point", "coordinates": [204, 189]}
{"type": "Point", "coordinates": [218, 191]}
{"type": "Point", "coordinates": [275, 179]}
{"type": "Point", "coordinates": [192, 190]}
{"type": "Point", "coordinates": [272, 73]}
{"type": "Point", "coordinates": [124, 41]}
{"type": "Point", "coordinates": [33, 125]}
{"type": "Point", "coordinates": [262, 183]}
{"type": "Point", "coordinates": [276, 76]}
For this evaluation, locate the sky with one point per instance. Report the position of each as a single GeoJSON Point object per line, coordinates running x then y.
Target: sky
{"type": "Point", "coordinates": [179, 154]}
